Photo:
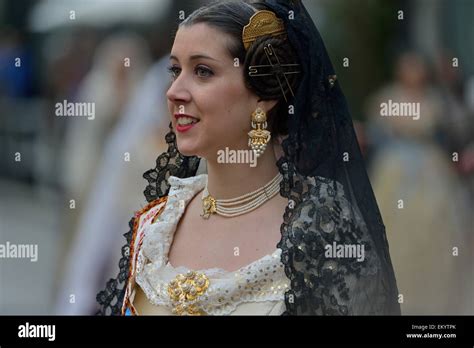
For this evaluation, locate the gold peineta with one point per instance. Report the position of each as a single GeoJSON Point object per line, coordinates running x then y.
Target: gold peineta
{"type": "Point", "coordinates": [262, 23]}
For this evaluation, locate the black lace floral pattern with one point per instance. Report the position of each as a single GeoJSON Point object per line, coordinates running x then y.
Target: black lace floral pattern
{"type": "Point", "coordinates": [318, 214]}
{"type": "Point", "coordinates": [111, 298]}
{"type": "Point", "coordinates": [167, 164]}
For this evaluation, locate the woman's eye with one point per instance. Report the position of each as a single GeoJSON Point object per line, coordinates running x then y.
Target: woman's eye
{"type": "Point", "coordinates": [174, 71]}
{"type": "Point", "coordinates": [203, 72]}
{"type": "Point", "coordinates": [200, 71]}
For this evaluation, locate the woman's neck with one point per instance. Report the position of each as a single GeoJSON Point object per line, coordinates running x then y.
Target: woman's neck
{"type": "Point", "coordinates": [230, 180]}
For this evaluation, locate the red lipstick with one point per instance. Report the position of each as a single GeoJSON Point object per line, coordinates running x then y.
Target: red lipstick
{"type": "Point", "coordinates": [185, 128]}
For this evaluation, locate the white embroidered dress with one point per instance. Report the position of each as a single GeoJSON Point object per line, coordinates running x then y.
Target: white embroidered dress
{"type": "Point", "coordinates": [255, 289]}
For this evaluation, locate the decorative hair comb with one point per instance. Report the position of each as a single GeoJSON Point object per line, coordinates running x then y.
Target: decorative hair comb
{"type": "Point", "coordinates": [263, 23]}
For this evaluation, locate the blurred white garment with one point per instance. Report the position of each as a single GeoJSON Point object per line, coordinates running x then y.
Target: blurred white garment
{"type": "Point", "coordinates": [116, 194]}
{"type": "Point", "coordinates": [111, 82]}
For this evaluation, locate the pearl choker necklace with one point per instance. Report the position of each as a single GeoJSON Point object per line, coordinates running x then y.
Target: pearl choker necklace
{"type": "Point", "coordinates": [242, 204]}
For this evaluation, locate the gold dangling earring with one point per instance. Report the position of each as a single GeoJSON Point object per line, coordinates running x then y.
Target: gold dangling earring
{"type": "Point", "coordinates": [259, 136]}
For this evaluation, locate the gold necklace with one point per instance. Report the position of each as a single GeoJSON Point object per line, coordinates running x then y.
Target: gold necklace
{"type": "Point", "coordinates": [240, 205]}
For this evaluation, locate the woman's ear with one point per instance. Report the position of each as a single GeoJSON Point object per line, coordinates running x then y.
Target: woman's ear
{"type": "Point", "coordinates": [267, 105]}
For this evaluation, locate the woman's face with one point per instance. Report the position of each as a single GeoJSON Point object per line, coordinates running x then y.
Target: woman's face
{"type": "Point", "coordinates": [208, 86]}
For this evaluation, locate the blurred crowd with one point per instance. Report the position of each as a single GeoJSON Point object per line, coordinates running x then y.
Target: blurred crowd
{"type": "Point", "coordinates": [422, 174]}
{"type": "Point", "coordinates": [79, 181]}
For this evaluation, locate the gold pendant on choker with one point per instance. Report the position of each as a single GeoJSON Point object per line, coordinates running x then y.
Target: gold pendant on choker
{"type": "Point", "coordinates": [209, 206]}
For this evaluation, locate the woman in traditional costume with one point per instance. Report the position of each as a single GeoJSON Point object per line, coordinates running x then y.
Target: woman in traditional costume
{"type": "Point", "coordinates": [293, 226]}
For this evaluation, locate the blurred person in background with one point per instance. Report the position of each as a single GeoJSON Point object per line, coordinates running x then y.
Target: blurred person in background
{"type": "Point", "coordinates": [458, 126]}
{"type": "Point", "coordinates": [421, 198]}
{"type": "Point", "coordinates": [67, 58]}
{"type": "Point", "coordinates": [467, 157]}
{"type": "Point", "coordinates": [119, 66]}
{"type": "Point", "coordinates": [15, 82]}
{"type": "Point", "coordinates": [128, 130]}
{"type": "Point", "coordinates": [116, 192]}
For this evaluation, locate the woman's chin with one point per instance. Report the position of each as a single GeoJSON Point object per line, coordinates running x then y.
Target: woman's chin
{"type": "Point", "coordinates": [187, 149]}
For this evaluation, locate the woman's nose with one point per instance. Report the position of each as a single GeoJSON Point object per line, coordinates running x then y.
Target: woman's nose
{"type": "Point", "coordinates": [178, 91]}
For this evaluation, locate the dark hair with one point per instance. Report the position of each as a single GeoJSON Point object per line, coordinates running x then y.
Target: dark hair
{"type": "Point", "coordinates": [230, 17]}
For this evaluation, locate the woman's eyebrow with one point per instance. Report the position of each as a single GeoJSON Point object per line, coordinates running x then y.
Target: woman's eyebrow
{"type": "Point", "coordinates": [195, 56]}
